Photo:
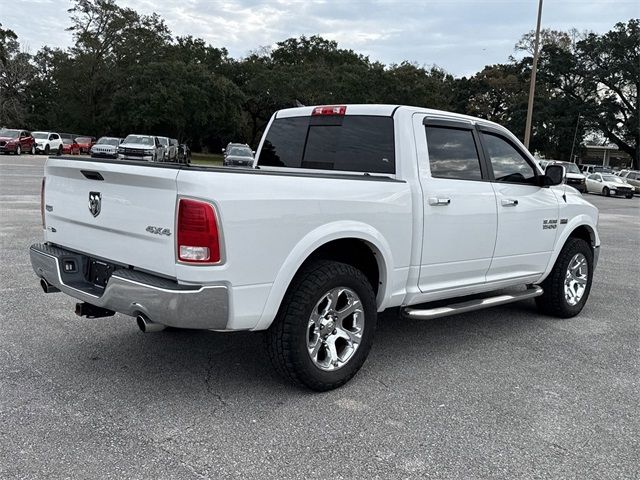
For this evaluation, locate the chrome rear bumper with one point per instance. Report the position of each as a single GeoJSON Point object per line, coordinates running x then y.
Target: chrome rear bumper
{"type": "Point", "coordinates": [133, 293]}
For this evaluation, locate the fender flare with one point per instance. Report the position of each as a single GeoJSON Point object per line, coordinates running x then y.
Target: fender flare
{"type": "Point", "coordinates": [574, 223]}
{"type": "Point", "coordinates": [310, 243]}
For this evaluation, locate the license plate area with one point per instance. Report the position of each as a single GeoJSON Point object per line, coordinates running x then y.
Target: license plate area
{"type": "Point", "coordinates": [99, 272]}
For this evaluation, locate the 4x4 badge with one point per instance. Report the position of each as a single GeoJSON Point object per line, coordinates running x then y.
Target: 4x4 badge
{"type": "Point", "coordinates": [95, 203]}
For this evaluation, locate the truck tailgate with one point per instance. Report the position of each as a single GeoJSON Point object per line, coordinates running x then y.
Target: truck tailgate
{"type": "Point", "coordinates": [127, 199]}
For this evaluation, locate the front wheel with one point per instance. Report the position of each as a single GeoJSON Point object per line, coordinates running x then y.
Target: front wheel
{"type": "Point", "coordinates": [629, 196]}
{"type": "Point", "coordinates": [324, 329]}
{"type": "Point", "coordinates": [33, 149]}
{"type": "Point", "coordinates": [47, 150]}
{"type": "Point", "coordinates": [18, 150]}
{"type": "Point", "coordinates": [567, 287]}
{"type": "Point", "coordinates": [605, 191]}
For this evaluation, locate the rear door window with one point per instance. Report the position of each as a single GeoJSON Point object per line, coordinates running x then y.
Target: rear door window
{"type": "Point", "coordinates": [352, 143]}
{"type": "Point", "coordinates": [453, 153]}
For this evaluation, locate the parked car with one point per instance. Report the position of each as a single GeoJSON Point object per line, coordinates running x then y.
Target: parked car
{"type": "Point", "coordinates": [184, 154]}
{"type": "Point", "coordinates": [172, 150]}
{"type": "Point", "coordinates": [141, 147]}
{"type": "Point", "coordinates": [353, 210]}
{"type": "Point", "coordinates": [608, 184]}
{"type": "Point", "coordinates": [70, 147]}
{"type": "Point", "coordinates": [589, 169]}
{"type": "Point", "coordinates": [85, 143]}
{"type": "Point", "coordinates": [573, 177]}
{"type": "Point", "coordinates": [632, 177]}
{"type": "Point", "coordinates": [106, 147]}
{"type": "Point", "coordinates": [230, 145]}
{"type": "Point", "coordinates": [48, 142]}
{"type": "Point", "coordinates": [238, 156]}
{"type": "Point", "coordinates": [16, 141]}
{"type": "Point", "coordinates": [164, 142]}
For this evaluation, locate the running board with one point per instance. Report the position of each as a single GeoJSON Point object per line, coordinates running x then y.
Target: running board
{"type": "Point", "coordinates": [471, 305]}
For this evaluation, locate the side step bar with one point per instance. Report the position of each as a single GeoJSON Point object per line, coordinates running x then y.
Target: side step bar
{"type": "Point", "coordinates": [471, 305]}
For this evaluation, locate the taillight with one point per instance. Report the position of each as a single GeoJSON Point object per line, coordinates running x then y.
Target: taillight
{"type": "Point", "coordinates": [330, 110]}
{"type": "Point", "coordinates": [197, 237]}
{"type": "Point", "coordinates": [42, 201]}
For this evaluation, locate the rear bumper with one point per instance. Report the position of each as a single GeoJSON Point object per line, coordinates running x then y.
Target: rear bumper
{"type": "Point", "coordinates": [132, 292]}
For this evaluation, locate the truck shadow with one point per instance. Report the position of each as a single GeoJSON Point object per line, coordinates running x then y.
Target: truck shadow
{"type": "Point", "coordinates": [186, 364]}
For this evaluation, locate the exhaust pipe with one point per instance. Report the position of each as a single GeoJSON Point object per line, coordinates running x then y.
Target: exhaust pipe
{"type": "Point", "coordinates": [47, 287]}
{"type": "Point", "coordinates": [146, 326]}
{"type": "Point", "coordinates": [91, 311]}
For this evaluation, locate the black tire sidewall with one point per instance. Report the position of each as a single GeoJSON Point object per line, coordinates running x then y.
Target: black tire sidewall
{"type": "Point", "coordinates": [317, 375]}
{"type": "Point", "coordinates": [287, 336]}
{"type": "Point", "coordinates": [573, 247]}
{"type": "Point", "coordinates": [605, 192]}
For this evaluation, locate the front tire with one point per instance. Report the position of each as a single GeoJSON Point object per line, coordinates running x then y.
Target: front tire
{"type": "Point", "coordinates": [47, 150]}
{"type": "Point", "coordinates": [324, 329]}
{"type": "Point", "coordinates": [567, 287]}
{"type": "Point", "coordinates": [605, 192]}
{"type": "Point", "coordinates": [33, 149]}
{"type": "Point", "coordinates": [18, 150]}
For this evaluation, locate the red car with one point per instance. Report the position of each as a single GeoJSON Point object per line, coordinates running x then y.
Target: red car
{"type": "Point", "coordinates": [16, 141]}
{"type": "Point", "coordinates": [85, 143]}
{"type": "Point", "coordinates": [70, 147]}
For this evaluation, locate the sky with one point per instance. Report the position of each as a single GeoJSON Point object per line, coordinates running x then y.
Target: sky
{"type": "Point", "coordinates": [461, 36]}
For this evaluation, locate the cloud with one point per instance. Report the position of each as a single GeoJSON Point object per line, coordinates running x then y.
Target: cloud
{"type": "Point", "coordinates": [460, 36]}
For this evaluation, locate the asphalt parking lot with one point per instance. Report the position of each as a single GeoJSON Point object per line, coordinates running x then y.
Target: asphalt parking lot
{"type": "Point", "coordinates": [502, 393]}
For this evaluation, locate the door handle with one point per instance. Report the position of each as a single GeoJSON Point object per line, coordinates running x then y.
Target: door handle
{"type": "Point", "coordinates": [506, 202]}
{"type": "Point", "coordinates": [439, 201]}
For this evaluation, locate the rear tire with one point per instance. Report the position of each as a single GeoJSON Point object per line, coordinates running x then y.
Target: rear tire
{"type": "Point", "coordinates": [564, 293]}
{"type": "Point", "coordinates": [60, 150]}
{"type": "Point", "coordinates": [293, 335]}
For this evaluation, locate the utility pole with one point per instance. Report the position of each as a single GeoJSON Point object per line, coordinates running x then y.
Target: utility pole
{"type": "Point", "coordinates": [532, 85]}
{"type": "Point", "coordinates": [575, 134]}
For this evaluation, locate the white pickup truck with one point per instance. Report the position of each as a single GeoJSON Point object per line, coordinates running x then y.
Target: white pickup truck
{"type": "Point", "coordinates": [349, 210]}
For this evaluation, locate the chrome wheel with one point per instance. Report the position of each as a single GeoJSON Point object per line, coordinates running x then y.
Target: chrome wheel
{"type": "Point", "coordinates": [575, 281]}
{"type": "Point", "coordinates": [334, 331]}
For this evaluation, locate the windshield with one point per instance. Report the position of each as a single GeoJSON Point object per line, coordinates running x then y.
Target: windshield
{"type": "Point", "coordinates": [612, 178]}
{"type": "Point", "coordinates": [571, 167]}
{"type": "Point", "coordinates": [40, 135]}
{"type": "Point", "coordinates": [109, 141]}
{"type": "Point", "coordinates": [5, 132]}
{"type": "Point", "coordinates": [83, 139]}
{"type": "Point", "coordinates": [139, 139]}
{"type": "Point", "coordinates": [241, 152]}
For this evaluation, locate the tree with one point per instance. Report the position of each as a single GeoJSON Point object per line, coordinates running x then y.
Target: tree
{"type": "Point", "coordinates": [15, 72]}
{"type": "Point", "coordinates": [609, 68]}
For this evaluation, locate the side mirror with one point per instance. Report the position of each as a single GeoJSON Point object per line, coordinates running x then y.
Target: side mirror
{"type": "Point", "coordinates": [553, 175]}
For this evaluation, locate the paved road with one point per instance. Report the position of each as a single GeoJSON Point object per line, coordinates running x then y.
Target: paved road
{"type": "Point", "coordinates": [504, 393]}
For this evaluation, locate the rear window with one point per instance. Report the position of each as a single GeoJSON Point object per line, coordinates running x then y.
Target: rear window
{"type": "Point", "coordinates": [354, 143]}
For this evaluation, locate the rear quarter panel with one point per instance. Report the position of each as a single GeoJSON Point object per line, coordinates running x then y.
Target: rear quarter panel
{"type": "Point", "coordinates": [270, 223]}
